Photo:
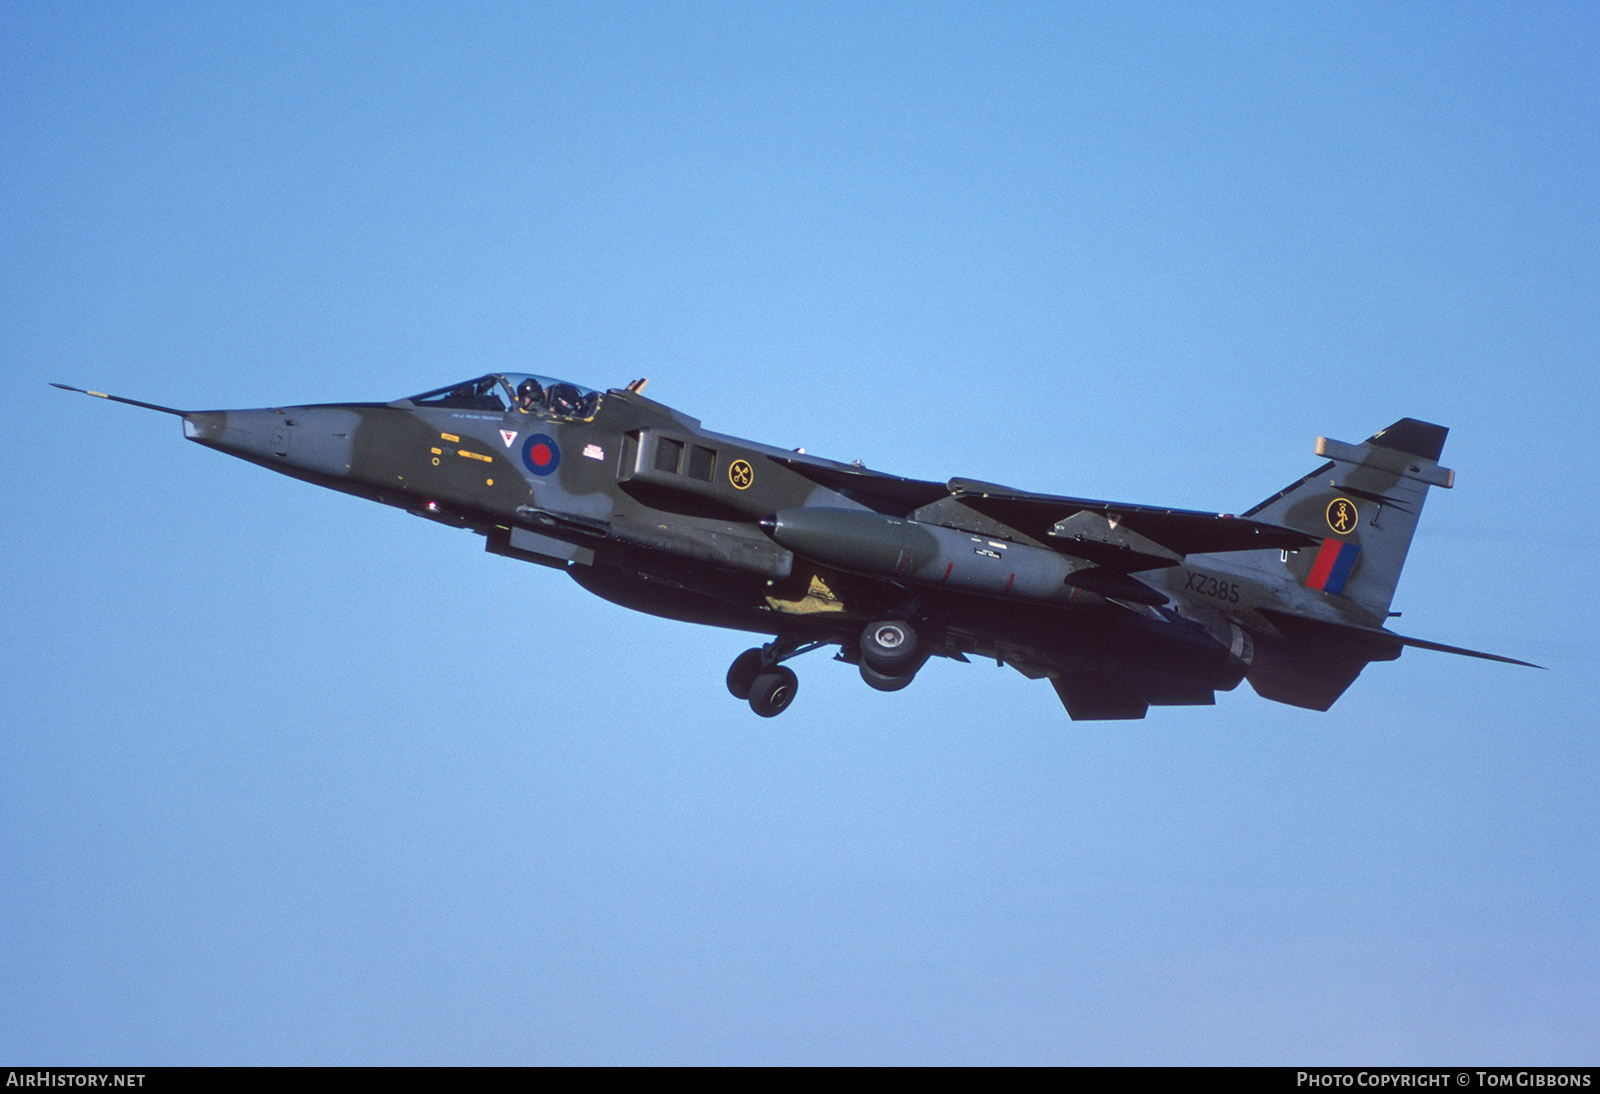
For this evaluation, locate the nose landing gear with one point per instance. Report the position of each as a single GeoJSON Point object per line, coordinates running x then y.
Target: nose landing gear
{"type": "Point", "coordinates": [757, 677]}
{"type": "Point", "coordinates": [772, 692]}
{"type": "Point", "coordinates": [743, 672]}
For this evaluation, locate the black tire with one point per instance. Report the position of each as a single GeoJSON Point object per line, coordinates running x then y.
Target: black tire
{"type": "Point", "coordinates": [889, 645]}
{"type": "Point", "coordinates": [743, 672]}
{"type": "Point", "coordinates": [773, 691]}
{"type": "Point", "coordinates": [884, 681]}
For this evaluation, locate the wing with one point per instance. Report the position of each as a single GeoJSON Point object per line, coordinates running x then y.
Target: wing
{"type": "Point", "coordinates": [1114, 534]}
{"type": "Point", "coordinates": [889, 494]}
{"type": "Point", "coordinates": [1118, 535]}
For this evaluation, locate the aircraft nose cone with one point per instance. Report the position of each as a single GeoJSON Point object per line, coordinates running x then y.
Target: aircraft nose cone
{"type": "Point", "coordinates": [240, 432]}
{"type": "Point", "coordinates": [315, 438]}
{"type": "Point", "coordinates": [252, 434]}
{"type": "Point", "coordinates": [205, 426]}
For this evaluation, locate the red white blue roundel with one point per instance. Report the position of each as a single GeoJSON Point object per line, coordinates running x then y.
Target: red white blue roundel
{"type": "Point", "coordinates": [541, 454]}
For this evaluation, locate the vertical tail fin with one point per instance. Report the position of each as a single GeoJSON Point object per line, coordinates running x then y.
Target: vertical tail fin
{"type": "Point", "coordinates": [1363, 504]}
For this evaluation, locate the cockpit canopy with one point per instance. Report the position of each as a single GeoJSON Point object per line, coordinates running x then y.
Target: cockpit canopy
{"type": "Point", "coordinates": [514, 392]}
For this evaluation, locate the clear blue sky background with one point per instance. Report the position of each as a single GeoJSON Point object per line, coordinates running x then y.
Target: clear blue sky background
{"type": "Point", "coordinates": [294, 778]}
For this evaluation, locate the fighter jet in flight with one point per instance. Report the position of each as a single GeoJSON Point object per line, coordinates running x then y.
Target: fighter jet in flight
{"type": "Point", "coordinates": [1121, 607]}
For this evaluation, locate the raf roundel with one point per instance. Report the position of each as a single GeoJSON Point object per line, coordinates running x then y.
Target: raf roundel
{"type": "Point", "coordinates": [541, 454]}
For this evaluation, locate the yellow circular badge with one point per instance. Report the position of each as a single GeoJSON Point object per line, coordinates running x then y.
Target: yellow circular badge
{"type": "Point", "coordinates": [741, 474]}
{"type": "Point", "coordinates": [1342, 516]}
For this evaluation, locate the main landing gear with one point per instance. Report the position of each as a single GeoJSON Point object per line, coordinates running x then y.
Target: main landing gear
{"type": "Point", "coordinates": [889, 654]}
{"type": "Point", "coordinates": [888, 659]}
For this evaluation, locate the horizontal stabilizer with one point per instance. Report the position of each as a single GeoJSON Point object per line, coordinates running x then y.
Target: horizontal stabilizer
{"type": "Point", "coordinates": [1368, 643]}
{"type": "Point", "coordinates": [1423, 644]}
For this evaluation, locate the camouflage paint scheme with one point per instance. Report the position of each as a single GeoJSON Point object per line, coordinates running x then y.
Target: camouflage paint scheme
{"type": "Point", "coordinates": [1120, 606]}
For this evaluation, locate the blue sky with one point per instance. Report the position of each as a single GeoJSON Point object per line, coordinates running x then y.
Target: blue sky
{"type": "Point", "coordinates": [294, 778]}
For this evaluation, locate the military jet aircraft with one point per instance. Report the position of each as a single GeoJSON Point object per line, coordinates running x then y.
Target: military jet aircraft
{"type": "Point", "coordinates": [1120, 607]}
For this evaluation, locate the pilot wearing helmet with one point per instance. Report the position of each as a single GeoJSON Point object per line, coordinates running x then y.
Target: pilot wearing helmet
{"type": "Point", "coordinates": [530, 396]}
{"type": "Point", "coordinates": [565, 400]}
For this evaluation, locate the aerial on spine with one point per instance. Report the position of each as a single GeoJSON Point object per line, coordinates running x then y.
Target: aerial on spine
{"type": "Point", "coordinates": [1121, 607]}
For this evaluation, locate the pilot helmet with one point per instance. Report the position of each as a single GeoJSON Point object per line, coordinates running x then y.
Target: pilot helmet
{"type": "Point", "coordinates": [564, 399]}
{"type": "Point", "coordinates": [529, 393]}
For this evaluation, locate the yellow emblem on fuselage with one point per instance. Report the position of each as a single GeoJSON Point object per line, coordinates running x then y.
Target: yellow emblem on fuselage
{"type": "Point", "coordinates": [1342, 516]}
{"type": "Point", "coordinates": [741, 474]}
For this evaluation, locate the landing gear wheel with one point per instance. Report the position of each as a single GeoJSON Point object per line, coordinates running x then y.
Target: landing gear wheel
{"type": "Point", "coordinates": [883, 681]}
{"type": "Point", "coordinates": [743, 672]}
{"type": "Point", "coordinates": [889, 645]}
{"type": "Point", "coordinates": [772, 691]}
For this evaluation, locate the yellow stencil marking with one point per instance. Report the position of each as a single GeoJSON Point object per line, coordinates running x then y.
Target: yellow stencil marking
{"type": "Point", "coordinates": [451, 437]}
